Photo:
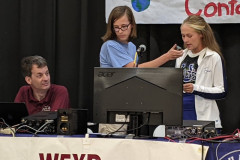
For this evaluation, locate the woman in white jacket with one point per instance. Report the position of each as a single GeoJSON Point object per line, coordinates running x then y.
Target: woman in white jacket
{"type": "Point", "coordinates": [204, 75]}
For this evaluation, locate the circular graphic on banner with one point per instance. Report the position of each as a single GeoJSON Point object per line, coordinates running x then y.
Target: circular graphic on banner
{"type": "Point", "coordinates": [227, 151]}
{"type": "Point", "coordinates": [140, 5]}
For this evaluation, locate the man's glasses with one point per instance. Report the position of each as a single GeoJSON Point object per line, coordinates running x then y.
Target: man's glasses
{"type": "Point", "coordinates": [123, 28]}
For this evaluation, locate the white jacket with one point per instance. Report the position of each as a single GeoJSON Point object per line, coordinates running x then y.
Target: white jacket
{"type": "Point", "coordinates": [210, 85]}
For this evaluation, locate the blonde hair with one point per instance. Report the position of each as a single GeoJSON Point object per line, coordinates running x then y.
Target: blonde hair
{"type": "Point", "coordinates": [115, 14]}
{"type": "Point", "coordinates": [202, 27]}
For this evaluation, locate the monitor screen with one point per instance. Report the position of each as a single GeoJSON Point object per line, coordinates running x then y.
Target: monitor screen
{"type": "Point", "coordinates": [138, 96]}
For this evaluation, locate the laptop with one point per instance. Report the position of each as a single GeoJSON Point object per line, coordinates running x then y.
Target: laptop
{"type": "Point", "coordinates": [12, 113]}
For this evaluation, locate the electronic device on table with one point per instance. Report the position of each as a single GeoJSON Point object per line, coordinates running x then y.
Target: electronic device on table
{"type": "Point", "coordinates": [43, 122]}
{"type": "Point", "coordinates": [67, 121]}
{"type": "Point", "coordinates": [142, 98]}
{"type": "Point", "coordinates": [192, 128]}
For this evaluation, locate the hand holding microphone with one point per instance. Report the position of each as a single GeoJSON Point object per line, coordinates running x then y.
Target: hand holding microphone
{"type": "Point", "coordinates": [174, 52]}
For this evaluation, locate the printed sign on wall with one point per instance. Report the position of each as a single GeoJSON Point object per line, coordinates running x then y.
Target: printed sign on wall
{"type": "Point", "coordinates": [175, 11]}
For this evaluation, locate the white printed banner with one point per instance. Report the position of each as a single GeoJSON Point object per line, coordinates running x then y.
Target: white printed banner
{"type": "Point", "coordinates": [54, 148]}
{"type": "Point", "coordinates": [175, 11]}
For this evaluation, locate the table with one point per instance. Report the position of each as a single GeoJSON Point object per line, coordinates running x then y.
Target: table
{"type": "Point", "coordinates": [56, 147]}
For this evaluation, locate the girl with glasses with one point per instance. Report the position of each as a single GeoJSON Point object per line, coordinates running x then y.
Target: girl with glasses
{"type": "Point", "coordinates": [118, 50]}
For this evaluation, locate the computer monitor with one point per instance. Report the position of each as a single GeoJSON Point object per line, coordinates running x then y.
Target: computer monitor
{"type": "Point", "coordinates": [138, 96]}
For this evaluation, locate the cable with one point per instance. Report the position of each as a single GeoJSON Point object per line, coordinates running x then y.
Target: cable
{"type": "Point", "coordinates": [118, 130]}
{"type": "Point", "coordinates": [47, 122]}
{"type": "Point", "coordinates": [8, 126]}
{"type": "Point", "coordinates": [26, 127]}
{"type": "Point", "coordinates": [202, 155]}
{"type": "Point", "coordinates": [133, 129]}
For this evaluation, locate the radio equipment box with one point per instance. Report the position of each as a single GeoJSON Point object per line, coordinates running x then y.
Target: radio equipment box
{"type": "Point", "coordinates": [191, 128]}
{"type": "Point", "coordinates": [44, 122]}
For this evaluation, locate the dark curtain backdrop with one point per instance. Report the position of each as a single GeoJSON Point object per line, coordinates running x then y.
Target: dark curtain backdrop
{"type": "Point", "coordinates": [68, 34]}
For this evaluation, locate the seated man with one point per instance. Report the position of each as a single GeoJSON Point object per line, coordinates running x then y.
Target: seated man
{"type": "Point", "coordinates": [40, 94]}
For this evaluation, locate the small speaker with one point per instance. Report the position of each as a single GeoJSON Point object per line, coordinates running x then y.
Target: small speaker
{"type": "Point", "coordinates": [72, 121]}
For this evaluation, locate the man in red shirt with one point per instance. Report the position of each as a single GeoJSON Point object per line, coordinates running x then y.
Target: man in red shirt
{"type": "Point", "coordinates": [40, 94]}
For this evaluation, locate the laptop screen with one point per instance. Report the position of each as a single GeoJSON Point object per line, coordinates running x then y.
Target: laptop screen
{"type": "Point", "coordinates": [12, 113]}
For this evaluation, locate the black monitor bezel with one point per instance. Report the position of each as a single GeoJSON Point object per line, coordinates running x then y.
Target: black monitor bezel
{"type": "Point", "coordinates": [165, 79]}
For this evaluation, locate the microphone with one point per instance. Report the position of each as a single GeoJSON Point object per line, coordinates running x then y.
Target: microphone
{"type": "Point", "coordinates": [178, 48]}
{"type": "Point", "coordinates": [141, 48]}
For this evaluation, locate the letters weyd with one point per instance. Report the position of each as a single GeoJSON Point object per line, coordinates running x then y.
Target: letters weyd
{"type": "Point", "coordinates": [58, 156]}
